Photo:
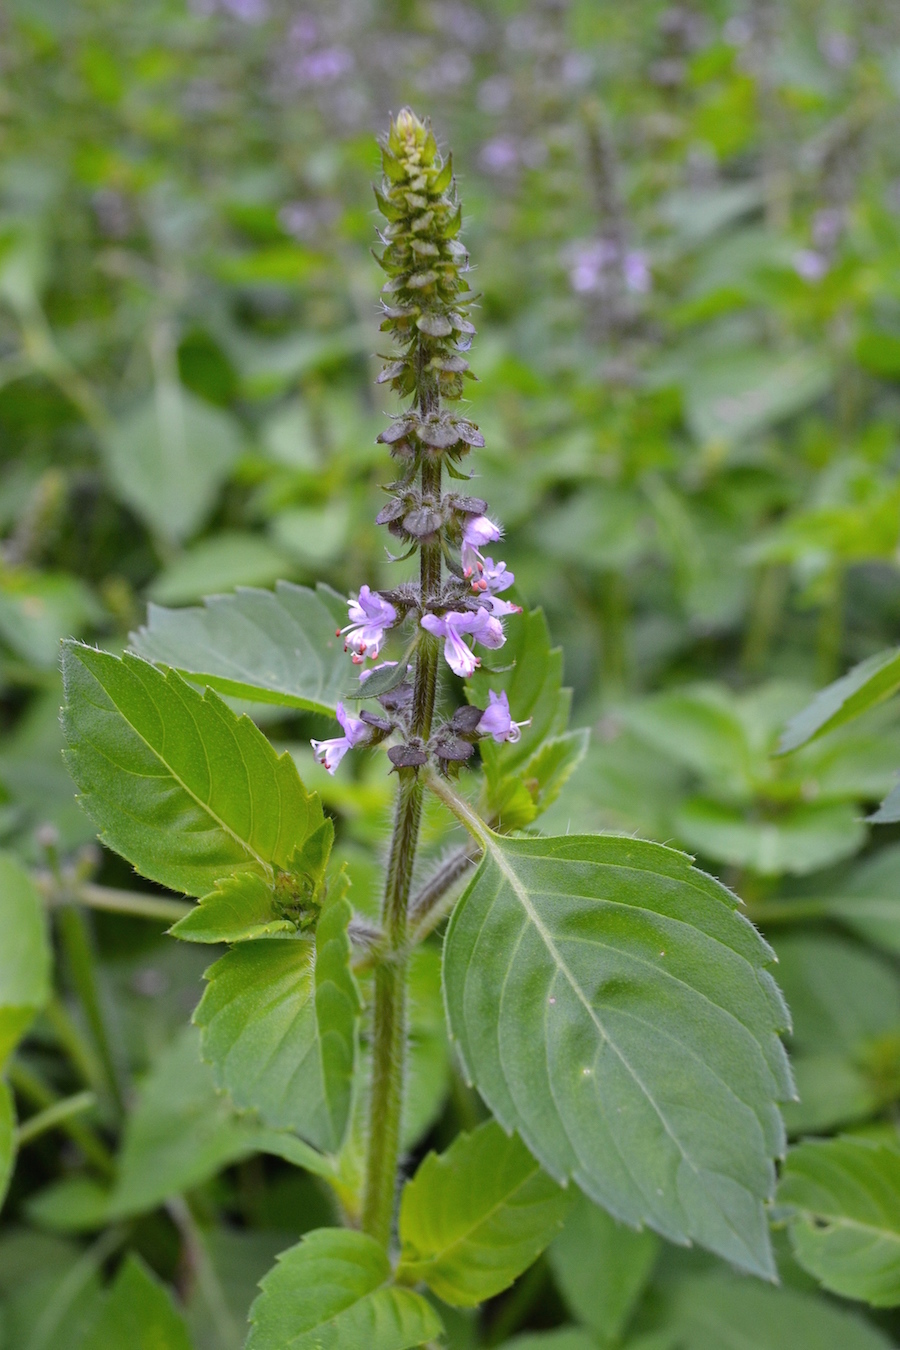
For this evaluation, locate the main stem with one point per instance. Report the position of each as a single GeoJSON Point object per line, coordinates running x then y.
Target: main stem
{"type": "Point", "coordinates": [389, 1021]}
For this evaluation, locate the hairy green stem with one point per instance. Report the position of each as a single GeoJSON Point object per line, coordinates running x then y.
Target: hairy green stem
{"type": "Point", "coordinates": [389, 1019]}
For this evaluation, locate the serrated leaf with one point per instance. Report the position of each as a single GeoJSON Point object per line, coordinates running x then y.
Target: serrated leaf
{"type": "Point", "coordinates": [473, 1218]}
{"type": "Point", "coordinates": [601, 1268]}
{"type": "Point", "coordinates": [240, 908]}
{"type": "Point", "coordinates": [138, 1313]}
{"type": "Point", "coordinates": [24, 954]}
{"type": "Point", "coordinates": [721, 1312]}
{"type": "Point", "coordinates": [843, 1199]}
{"type": "Point", "coordinates": [332, 1292]}
{"type": "Point", "coordinates": [7, 1138]}
{"type": "Point", "coordinates": [177, 783]}
{"type": "Point", "coordinates": [613, 1007]}
{"type": "Point", "coordinates": [279, 1027]}
{"type": "Point", "coordinates": [519, 799]}
{"type": "Point", "coordinates": [270, 646]}
{"type": "Point", "coordinates": [861, 688]}
{"type": "Point", "coordinates": [168, 458]}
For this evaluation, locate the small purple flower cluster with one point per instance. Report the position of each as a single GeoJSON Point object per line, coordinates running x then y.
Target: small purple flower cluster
{"type": "Point", "coordinates": [371, 615]}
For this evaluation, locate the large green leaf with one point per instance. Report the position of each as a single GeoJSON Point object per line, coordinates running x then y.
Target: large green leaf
{"type": "Point", "coordinates": [7, 1138]}
{"type": "Point", "coordinates": [279, 1027]}
{"type": "Point", "coordinates": [225, 560]}
{"type": "Point", "coordinates": [24, 953]}
{"type": "Point", "coordinates": [273, 647]}
{"type": "Point", "coordinates": [613, 1006]}
{"type": "Point", "coordinates": [138, 1313]}
{"type": "Point", "coordinates": [845, 1045]}
{"type": "Point", "coordinates": [601, 1268]}
{"type": "Point", "coordinates": [332, 1292]}
{"type": "Point", "coordinates": [797, 839]}
{"type": "Point", "coordinates": [843, 1196]}
{"type": "Point", "coordinates": [473, 1218]}
{"type": "Point", "coordinates": [180, 785]}
{"type": "Point", "coordinates": [863, 687]}
{"type": "Point", "coordinates": [169, 457]}
{"type": "Point", "coordinates": [720, 1312]}
{"type": "Point", "coordinates": [182, 1131]}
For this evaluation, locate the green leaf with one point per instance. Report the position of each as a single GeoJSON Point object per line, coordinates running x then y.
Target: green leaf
{"type": "Point", "coordinates": [274, 647]}
{"type": "Point", "coordinates": [845, 1003]}
{"type": "Point", "coordinates": [740, 394]}
{"type": "Point", "coordinates": [75, 1204]}
{"type": "Point", "coordinates": [181, 786]}
{"type": "Point", "coordinates": [183, 1131]}
{"type": "Point", "coordinates": [39, 608]}
{"type": "Point", "coordinates": [138, 1313]}
{"type": "Point", "coordinates": [169, 457]}
{"type": "Point", "coordinates": [7, 1138]}
{"type": "Point", "coordinates": [428, 1053]}
{"type": "Point", "coordinates": [796, 839]}
{"type": "Point", "coordinates": [843, 1198]}
{"type": "Point", "coordinates": [24, 954]}
{"type": "Point", "coordinates": [279, 1027]}
{"type": "Point", "coordinates": [520, 798]}
{"type": "Point", "coordinates": [601, 1268]}
{"type": "Point", "coordinates": [228, 559]}
{"type": "Point", "coordinates": [720, 1312]}
{"type": "Point", "coordinates": [612, 1005]}
{"type": "Point", "coordinates": [473, 1218]}
{"type": "Point", "coordinates": [332, 1292]}
{"type": "Point", "coordinates": [566, 1338]}
{"type": "Point", "coordinates": [239, 908]}
{"type": "Point", "coordinates": [869, 902]}
{"type": "Point", "coordinates": [861, 688]}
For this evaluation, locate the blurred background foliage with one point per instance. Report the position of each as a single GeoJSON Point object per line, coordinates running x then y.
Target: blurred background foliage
{"type": "Point", "coordinates": [685, 225]}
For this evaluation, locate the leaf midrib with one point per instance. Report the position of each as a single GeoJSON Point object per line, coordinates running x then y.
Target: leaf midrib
{"type": "Point", "coordinates": [204, 806]}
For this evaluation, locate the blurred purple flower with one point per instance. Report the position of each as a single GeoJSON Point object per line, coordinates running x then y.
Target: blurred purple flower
{"type": "Point", "coordinates": [827, 226]}
{"type": "Point", "coordinates": [501, 155]}
{"type": "Point", "coordinates": [477, 531]}
{"type": "Point", "coordinates": [636, 271]}
{"type": "Point", "coordinates": [324, 66]}
{"type": "Point", "coordinates": [838, 49]}
{"type": "Point", "coordinates": [494, 94]}
{"type": "Point", "coordinates": [809, 265]}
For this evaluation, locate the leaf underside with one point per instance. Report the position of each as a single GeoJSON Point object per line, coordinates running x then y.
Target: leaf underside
{"type": "Point", "coordinates": [270, 646]}
{"type": "Point", "coordinates": [613, 1007]}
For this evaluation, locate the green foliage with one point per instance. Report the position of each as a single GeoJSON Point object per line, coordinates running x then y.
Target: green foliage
{"type": "Point", "coordinates": [279, 1026]}
{"type": "Point", "coordinates": [7, 1138]}
{"type": "Point", "coordinates": [601, 1268]}
{"type": "Point", "coordinates": [862, 688]}
{"type": "Point", "coordinates": [272, 647]}
{"type": "Point", "coordinates": [24, 954]}
{"type": "Point", "coordinates": [205, 793]}
{"type": "Point", "coordinates": [138, 1312]}
{"type": "Point", "coordinates": [636, 1031]}
{"type": "Point", "coordinates": [331, 1292]}
{"type": "Point", "coordinates": [169, 457]}
{"type": "Point", "coordinates": [842, 1199]}
{"type": "Point", "coordinates": [719, 1312]}
{"type": "Point", "coordinates": [473, 1218]}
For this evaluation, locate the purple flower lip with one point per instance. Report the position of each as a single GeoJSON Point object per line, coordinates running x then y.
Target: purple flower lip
{"type": "Point", "coordinates": [369, 616]}
{"type": "Point", "coordinates": [331, 752]}
{"type": "Point", "coordinates": [453, 626]}
{"type": "Point", "coordinates": [497, 720]}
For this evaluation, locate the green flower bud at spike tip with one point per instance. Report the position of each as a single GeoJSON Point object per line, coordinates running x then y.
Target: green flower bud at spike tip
{"type": "Point", "coordinates": [426, 294]}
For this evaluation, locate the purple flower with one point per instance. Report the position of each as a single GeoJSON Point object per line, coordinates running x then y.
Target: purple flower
{"type": "Point", "coordinates": [497, 721]}
{"type": "Point", "coordinates": [480, 625]}
{"type": "Point", "coordinates": [478, 531]}
{"type": "Point", "coordinates": [809, 265]}
{"type": "Point", "coordinates": [330, 753]}
{"type": "Point", "coordinates": [636, 271]}
{"type": "Point", "coordinates": [369, 616]}
{"type": "Point", "coordinates": [492, 577]}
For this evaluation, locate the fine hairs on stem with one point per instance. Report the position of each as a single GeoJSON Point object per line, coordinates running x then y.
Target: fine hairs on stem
{"type": "Point", "coordinates": [455, 604]}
